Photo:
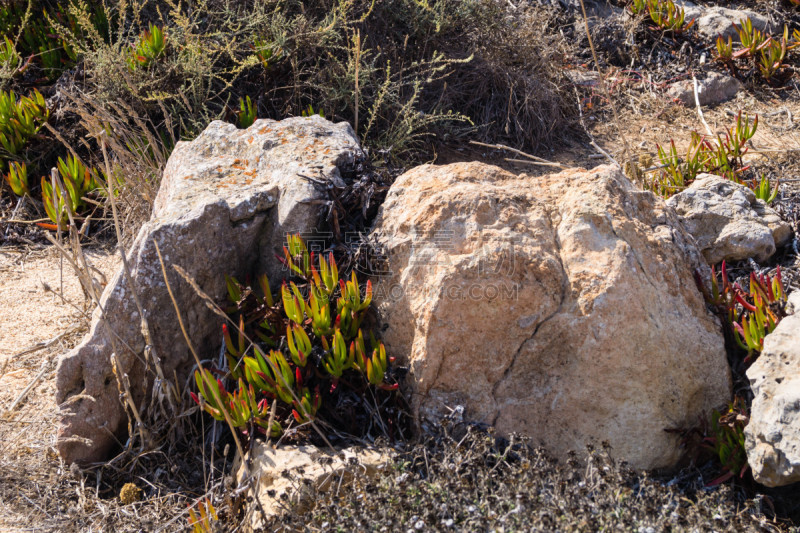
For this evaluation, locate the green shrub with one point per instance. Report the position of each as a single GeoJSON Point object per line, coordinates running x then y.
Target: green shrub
{"type": "Point", "coordinates": [726, 440]}
{"type": "Point", "coordinates": [20, 119]}
{"type": "Point", "coordinates": [17, 178]}
{"type": "Point", "coordinates": [247, 113]}
{"type": "Point", "coordinates": [150, 47]}
{"type": "Point", "coordinates": [42, 30]}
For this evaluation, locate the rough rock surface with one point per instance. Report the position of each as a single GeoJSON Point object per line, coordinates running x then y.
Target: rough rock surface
{"type": "Point", "coordinates": [560, 306]}
{"type": "Point", "coordinates": [712, 21]}
{"type": "Point", "coordinates": [279, 471]}
{"type": "Point", "coordinates": [226, 201]}
{"type": "Point", "coordinates": [772, 438]}
{"type": "Point", "coordinates": [715, 88]}
{"type": "Point", "coordinates": [728, 221]}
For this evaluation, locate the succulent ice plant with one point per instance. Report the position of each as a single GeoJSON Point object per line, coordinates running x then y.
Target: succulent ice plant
{"type": "Point", "coordinates": [310, 347]}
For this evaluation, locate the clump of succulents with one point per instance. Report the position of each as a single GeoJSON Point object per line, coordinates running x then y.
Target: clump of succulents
{"type": "Point", "coordinates": [297, 357]}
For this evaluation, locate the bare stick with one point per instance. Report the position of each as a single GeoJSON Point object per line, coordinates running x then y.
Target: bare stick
{"type": "Point", "coordinates": [27, 389]}
{"type": "Point", "coordinates": [43, 344]}
{"type": "Point", "coordinates": [144, 326]}
{"type": "Point", "coordinates": [699, 110]}
{"type": "Point", "coordinates": [540, 163]}
{"type": "Point", "coordinates": [520, 152]}
{"type": "Point", "coordinates": [124, 381]}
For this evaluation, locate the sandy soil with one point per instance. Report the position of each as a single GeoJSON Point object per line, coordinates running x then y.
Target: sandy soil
{"type": "Point", "coordinates": [31, 315]}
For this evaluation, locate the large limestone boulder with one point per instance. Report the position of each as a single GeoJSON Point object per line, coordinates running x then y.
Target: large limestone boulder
{"type": "Point", "coordinates": [772, 438]}
{"type": "Point", "coordinates": [560, 306]}
{"type": "Point", "coordinates": [226, 201]}
{"type": "Point", "coordinates": [728, 221]}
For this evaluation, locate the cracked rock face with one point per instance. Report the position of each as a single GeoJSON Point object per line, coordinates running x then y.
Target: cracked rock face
{"type": "Point", "coordinates": [772, 438]}
{"type": "Point", "coordinates": [226, 202]}
{"type": "Point", "coordinates": [560, 306]}
{"type": "Point", "coordinates": [728, 221]}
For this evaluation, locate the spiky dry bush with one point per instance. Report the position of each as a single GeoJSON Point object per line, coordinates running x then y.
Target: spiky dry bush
{"type": "Point", "coordinates": [462, 478]}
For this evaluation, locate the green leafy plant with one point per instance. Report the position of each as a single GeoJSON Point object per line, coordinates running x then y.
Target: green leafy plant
{"type": "Point", "coordinates": [725, 50]}
{"type": "Point", "coordinates": [9, 58]}
{"type": "Point", "coordinates": [17, 178]}
{"type": "Point", "coordinates": [309, 112]}
{"type": "Point", "coordinates": [751, 38]}
{"type": "Point", "coordinates": [766, 53]}
{"type": "Point", "coordinates": [724, 156]}
{"type": "Point", "coordinates": [44, 30]}
{"type": "Point", "coordinates": [20, 119]}
{"type": "Point", "coordinates": [78, 181]}
{"type": "Point", "coordinates": [247, 113]}
{"type": "Point", "coordinates": [310, 349]}
{"type": "Point", "coordinates": [771, 57]}
{"type": "Point", "coordinates": [752, 314]}
{"type": "Point", "coordinates": [151, 46]}
{"type": "Point", "coordinates": [664, 14]}
{"type": "Point", "coordinates": [764, 191]}
{"type": "Point", "coordinates": [727, 440]}
{"type": "Point", "coordinates": [54, 202]}
{"type": "Point", "coordinates": [763, 308]}
{"type": "Point", "coordinates": [265, 52]}
{"type": "Point", "coordinates": [668, 17]}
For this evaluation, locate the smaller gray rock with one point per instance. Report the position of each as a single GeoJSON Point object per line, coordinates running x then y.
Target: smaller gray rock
{"type": "Point", "coordinates": [278, 472]}
{"type": "Point", "coordinates": [728, 221]}
{"type": "Point", "coordinates": [715, 20]}
{"type": "Point", "coordinates": [772, 438]}
{"type": "Point", "coordinates": [714, 89]}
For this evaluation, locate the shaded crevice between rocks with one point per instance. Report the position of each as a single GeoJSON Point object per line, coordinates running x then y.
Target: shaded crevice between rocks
{"type": "Point", "coordinates": [564, 290]}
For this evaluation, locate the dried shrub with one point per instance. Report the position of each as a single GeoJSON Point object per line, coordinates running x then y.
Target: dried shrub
{"type": "Point", "coordinates": [463, 478]}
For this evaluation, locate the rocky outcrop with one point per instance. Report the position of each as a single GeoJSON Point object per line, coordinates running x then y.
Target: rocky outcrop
{"type": "Point", "coordinates": [713, 89]}
{"type": "Point", "coordinates": [560, 306]}
{"type": "Point", "coordinates": [728, 221]}
{"type": "Point", "coordinates": [772, 438]}
{"type": "Point", "coordinates": [285, 477]}
{"type": "Point", "coordinates": [226, 201]}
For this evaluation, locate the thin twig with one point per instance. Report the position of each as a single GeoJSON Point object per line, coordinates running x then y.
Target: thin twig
{"type": "Point", "coordinates": [699, 110]}
{"type": "Point", "coordinates": [520, 152]}
{"type": "Point", "coordinates": [27, 389]}
{"type": "Point", "coordinates": [540, 163]}
{"type": "Point", "coordinates": [43, 344]}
